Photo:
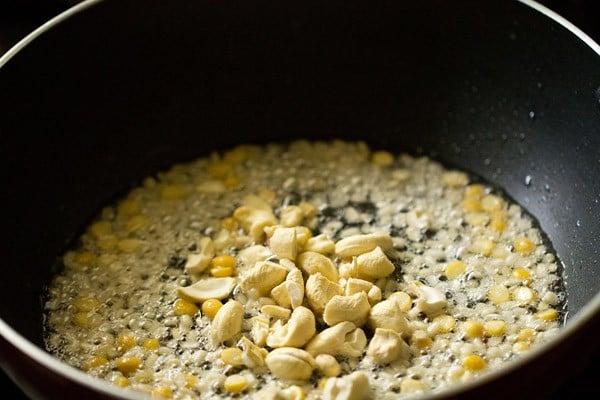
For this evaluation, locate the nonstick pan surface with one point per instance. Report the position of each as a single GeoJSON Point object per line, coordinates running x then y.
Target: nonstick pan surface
{"type": "Point", "coordinates": [125, 88]}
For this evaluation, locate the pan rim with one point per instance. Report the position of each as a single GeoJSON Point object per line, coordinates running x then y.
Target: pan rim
{"type": "Point", "coordinates": [39, 355]}
{"type": "Point", "coordinates": [46, 26]}
{"type": "Point", "coordinates": [584, 37]}
{"type": "Point", "coordinates": [10, 53]}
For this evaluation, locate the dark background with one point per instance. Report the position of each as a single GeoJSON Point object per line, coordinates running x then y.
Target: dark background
{"type": "Point", "coordinates": [19, 17]}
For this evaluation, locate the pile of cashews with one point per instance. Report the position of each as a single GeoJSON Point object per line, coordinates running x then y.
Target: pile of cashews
{"type": "Point", "coordinates": [312, 281]}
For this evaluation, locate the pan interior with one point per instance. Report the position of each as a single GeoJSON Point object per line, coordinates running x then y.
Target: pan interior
{"type": "Point", "coordinates": [90, 108]}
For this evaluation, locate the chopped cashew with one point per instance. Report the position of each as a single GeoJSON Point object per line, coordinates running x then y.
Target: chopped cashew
{"type": "Point", "coordinates": [402, 300]}
{"type": "Point", "coordinates": [374, 295]}
{"type": "Point", "coordinates": [223, 239]}
{"type": "Point", "coordinates": [258, 202]}
{"type": "Point", "coordinates": [290, 293]}
{"type": "Point", "coordinates": [290, 363]}
{"type": "Point", "coordinates": [354, 343]}
{"type": "Point", "coordinates": [259, 330]}
{"type": "Point", "coordinates": [287, 264]}
{"type": "Point", "coordinates": [252, 355]}
{"type": "Point", "coordinates": [253, 254]}
{"type": "Point", "coordinates": [291, 216]}
{"type": "Point", "coordinates": [329, 340]}
{"type": "Point", "coordinates": [328, 365]}
{"type": "Point", "coordinates": [254, 220]}
{"type": "Point", "coordinates": [299, 329]}
{"type": "Point", "coordinates": [227, 322]}
{"type": "Point", "coordinates": [359, 244]}
{"type": "Point", "coordinates": [275, 311]}
{"type": "Point", "coordinates": [209, 288]}
{"type": "Point", "coordinates": [319, 290]}
{"type": "Point", "coordinates": [320, 244]}
{"type": "Point", "coordinates": [308, 209]}
{"type": "Point", "coordinates": [342, 339]}
{"type": "Point", "coordinates": [355, 285]}
{"type": "Point", "coordinates": [347, 269]}
{"type": "Point", "coordinates": [294, 284]}
{"type": "Point", "coordinates": [355, 386]}
{"type": "Point", "coordinates": [196, 263]}
{"type": "Point", "coordinates": [302, 235]}
{"type": "Point", "coordinates": [388, 315]}
{"type": "Point", "coordinates": [293, 392]}
{"type": "Point", "coordinates": [429, 300]}
{"type": "Point", "coordinates": [386, 346]}
{"type": "Point", "coordinates": [263, 277]}
{"type": "Point", "coordinates": [354, 308]}
{"type": "Point", "coordinates": [283, 243]}
{"type": "Point", "coordinates": [281, 296]}
{"type": "Point", "coordinates": [373, 265]}
{"type": "Point", "coordinates": [311, 262]}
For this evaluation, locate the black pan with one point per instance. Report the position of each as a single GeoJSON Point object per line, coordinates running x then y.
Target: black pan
{"type": "Point", "coordinates": [116, 90]}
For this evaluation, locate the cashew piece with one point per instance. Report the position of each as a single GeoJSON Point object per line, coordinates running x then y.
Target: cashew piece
{"type": "Point", "coordinates": [296, 333]}
{"type": "Point", "coordinates": [290, 292]}
{"type": "Point", "coordinates": [355, 285]}
{"type": "Point", "coordinates": [291, 216]}
{"type": "Point", "coordinates": [342, 339]}
{"type": "Point", "coordinates": [294, 283]}
{"type": "Point", "coordinates": [373, 265]}
{"type": "Point", "coordinates": [259, 330]}
{"type": "Point", "coordinates": [374, 295]}
{"type": "Point", "coordinates": [388, 315]}
{"type": "Point", "coordinates": [283, 243]}
{"type": "Point", "coordinates": [302, 235]}
{"type": "Point", "coordinates": [275, 311]}
{"type": "Point", "coordinates": [254, 221]}
{"type": "Point", "coordinates": [287, 264]}
{"type": "Point", "coordinates": [290, 363]}
{"type": "Point", "coordinates": [319, 290]}
{"type": "Point", "coordinates": [227, 322]}
{"type": "Point", "coordinates": [354, 343]}
{"type": "Point", "coordinates": [263, 277]}
{"type": "Point", "coordinates": [224, 239]}
{"type": "Point", "coordinates": [311, 263]}
{"type": "Point", "coordinates": [259, 202]}
{"type": "Point", "coordinates": [308, 210]}
{"type": "Point", "coordinates": [386, 346]}
{"type": "Point", "coordinates": [252, 355]}
{"type": "Point", "coordinates": [328, 365]}
{"type": "Point", "coordinates": [402, 300]}
{"type": "Point", "coordinates": [320, 244]}
{"type": "Point", "coordinates": [280, 294]}
{"type": "Point", "coordinates": [293, 392]}
{"type": "Point", "coordinates": [354, 308]}
{"type": "Point", "coordinates": [355, 386]}
{"type": "Point", "coordinates": [253, 254]}
{"type": "Point", "coordinates": [209, 288]}
{"type": "Point", "coordinates": [359, 244]}
{"type": "Point", "coordinates": [429, 300]}
{"type": "Point", "coordinates": [196, 263]}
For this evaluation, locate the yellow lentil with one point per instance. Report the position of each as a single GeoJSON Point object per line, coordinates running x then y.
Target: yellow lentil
{"type": "Point", "coordinates": [184, 307]}
{"type": "Point", "coordinates": [474, 363]}
{"type": "Point", "coordinates": [210, 307]}
{"type": "Point", "coordinates": [455, 269]}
